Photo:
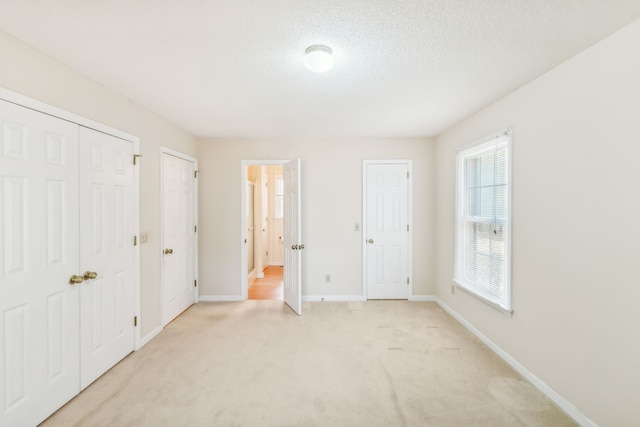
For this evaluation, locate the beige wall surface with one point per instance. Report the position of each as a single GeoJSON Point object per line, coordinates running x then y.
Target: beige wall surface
{"type": "Point", "coordinates": [576, 204]}
{"type": "Point", "coordinates": [331, 206]}
{"type": "Point", "coordinates": [29, 72]}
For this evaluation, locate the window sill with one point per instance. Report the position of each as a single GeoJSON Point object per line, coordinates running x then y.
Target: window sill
{"type": "Point", "coordinates": [506, 312]}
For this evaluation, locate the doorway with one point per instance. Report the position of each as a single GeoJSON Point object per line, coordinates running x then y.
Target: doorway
{"type": "Point", "coordinates": [264, 218]}
{"type": "Point", "coordinates": [278, 240]}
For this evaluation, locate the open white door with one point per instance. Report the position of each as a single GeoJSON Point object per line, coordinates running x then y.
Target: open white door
{"type": "Point", "coordinates": [292, 237]}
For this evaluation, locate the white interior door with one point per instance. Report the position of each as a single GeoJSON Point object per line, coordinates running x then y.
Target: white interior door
{"type": "Point", "coordinates": [292, 237]}
{"type": "Point", "coordinates": [179, 235]}
{"type": "Point", "coordinates": [39, 330]}
{"type": "Point", "coordinates": [106, 249]}
{"type": "Point", "coordinates": [387, 231]}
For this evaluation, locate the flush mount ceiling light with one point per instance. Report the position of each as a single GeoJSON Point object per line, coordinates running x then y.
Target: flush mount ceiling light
{"type": "Point", "coordinates": [317, 58]}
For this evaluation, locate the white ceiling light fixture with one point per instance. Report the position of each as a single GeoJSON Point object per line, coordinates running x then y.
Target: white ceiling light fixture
{"type": "Point", "coordinates": [317, 58]}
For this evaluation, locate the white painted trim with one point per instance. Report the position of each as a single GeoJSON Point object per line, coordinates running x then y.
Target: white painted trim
{"type": "Point", "coordinates": [244, 274]}
{"type": "Point", "coordinates": [563, 403]}
{"type": "Point", "coordinates": [409, 164]}
{"type": "Point", "coordinates": [221, 298]}
{"type": "Point", "coordinates": [166, 150]}
{"type": "Point", "coordinates": [25, 101]}
{"type": "Point", "coordinates": [423, 298]}
{"type": "Point", "coordinates": [277, 264]}
{"type": "Point", "coordinates": [151, 335]}
{"type": "Point", "coordinates": [137, 303]}
{"type": "Point", "coordinates": [314, 298]}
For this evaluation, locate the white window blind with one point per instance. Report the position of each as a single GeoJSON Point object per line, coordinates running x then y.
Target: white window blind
{"type": "Point", "coordinates": [483, 223]}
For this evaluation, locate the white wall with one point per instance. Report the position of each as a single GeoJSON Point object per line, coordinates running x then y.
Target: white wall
{"type": "Point", "coordinates": [576, 206]}
{"type": "Point", "coordinates": [331, 205]}
{"type": "Point", "coordinates": [29, 72]}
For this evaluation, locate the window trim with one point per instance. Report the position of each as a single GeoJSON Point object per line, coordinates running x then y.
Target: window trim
{"type": "Point", "coordinates": [503, 305]}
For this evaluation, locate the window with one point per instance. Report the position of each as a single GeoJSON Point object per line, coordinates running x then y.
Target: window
{"type": "Point", "coordinates": [483, 219]}
{"type": "Point", "coordinates": [278, 210]}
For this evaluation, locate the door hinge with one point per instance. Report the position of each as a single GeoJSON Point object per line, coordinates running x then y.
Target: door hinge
{"type": "Point", "coordinates": [407, 280]}
{"type": "Point", "coordinates": [195, 283]}
{"type": "Point", "coordinates": [407, 227]}
{"type": "Point", "coordinates": [407, 174]}
{"type": "Point", "coordinates": [135, 320]}
{"type": "Point", "coordinates": [195, 228]}
{"type": "Point", "coordinates": [195, 174]}
{"type": "Point", "coordinates": [135, 158]}
{"type": "Point", "coordinates": [135, 240]}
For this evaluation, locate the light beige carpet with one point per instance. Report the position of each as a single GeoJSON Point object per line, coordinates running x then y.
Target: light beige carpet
{"type": "Point", "coordinates": [255, 363]}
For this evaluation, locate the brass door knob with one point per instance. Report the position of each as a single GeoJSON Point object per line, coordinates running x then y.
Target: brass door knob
{"type": "Point", "coordinates": [168, 251]}
{"type": "Point", "coordinates": [89, 275]}
{"type": "Point", "coordinates": [370, 240]}
{"type": "Point", "coordinates": [301, 247]}
{"type": "Point", "coordinates": [294, 247]}
{"type": "Point", "coordinates": [74, 280]}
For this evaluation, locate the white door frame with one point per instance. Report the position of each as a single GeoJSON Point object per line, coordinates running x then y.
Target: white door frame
{"type": "Point", "coordinates": [180, 155]}
{"type": "Point", "coordinates": [244, 274]}
{"type": "Point", "coordinates": [409, 164]}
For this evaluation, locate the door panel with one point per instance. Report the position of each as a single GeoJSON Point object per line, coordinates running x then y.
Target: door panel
{"type": "Point", "coordinates": [107, 230]}
{"type": "Point", "coordinates": [39, 332]}
{"type": "Point", "coordinates": [178, 236]}
{"type": "Point", "coordinates": [292, 237]}
{"type": "Point", "coordinates": [387, 231]}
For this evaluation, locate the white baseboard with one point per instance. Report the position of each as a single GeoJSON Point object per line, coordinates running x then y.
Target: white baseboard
{"type": "Point", "coordinates": [333, 298]}
{"type": "Point", "coordinates": [276, 264]}
{"type": "Point", "coordinates": [563, 403]}
{"type": "Point", "coordinates": [260, 275]}
{"type": "Point", "coordinates": [151, 335]}
{"type": "Point", "coordinates": [429, 298]}
{"type": "Point", "coordinates": [221, 298]}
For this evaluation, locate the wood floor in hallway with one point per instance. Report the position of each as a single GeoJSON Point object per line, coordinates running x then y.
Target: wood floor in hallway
{"type": "Point", "coordinates": [270, 287]}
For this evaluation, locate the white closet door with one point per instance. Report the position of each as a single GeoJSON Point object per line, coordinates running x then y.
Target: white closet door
{"type": "Point", "coordinates": [179, 215]}
{"type": "Point", "coordinates": [39, 357]}
{"type": "Point", "coordinates": [387, 231]}
{"type": "Point", "coordinates": [106, 248]}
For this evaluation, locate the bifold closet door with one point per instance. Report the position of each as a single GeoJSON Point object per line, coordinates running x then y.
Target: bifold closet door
{"type": "Point", "coordinates": [106, 252]}
{"type": "Point", "coordinates": [39, 330]}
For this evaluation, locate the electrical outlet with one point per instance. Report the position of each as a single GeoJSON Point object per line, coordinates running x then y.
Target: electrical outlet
{"type": "Point", "coordinates": [356, 227]}
{"type": "Point", "coordinates": [144, 237]}
{"type": "Point", "coordinates": [327, 278]}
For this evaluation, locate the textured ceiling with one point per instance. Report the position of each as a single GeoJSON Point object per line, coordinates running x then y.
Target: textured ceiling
{"type": "Point", "coordinates": [234, 68]}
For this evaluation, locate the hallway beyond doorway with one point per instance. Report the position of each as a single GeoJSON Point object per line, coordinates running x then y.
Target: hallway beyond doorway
{"type": "Point", "coordinates": [270, 287]}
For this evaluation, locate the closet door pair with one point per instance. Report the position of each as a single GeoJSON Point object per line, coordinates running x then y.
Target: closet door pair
{"type": "Point", "coordinates": [66, 260]}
